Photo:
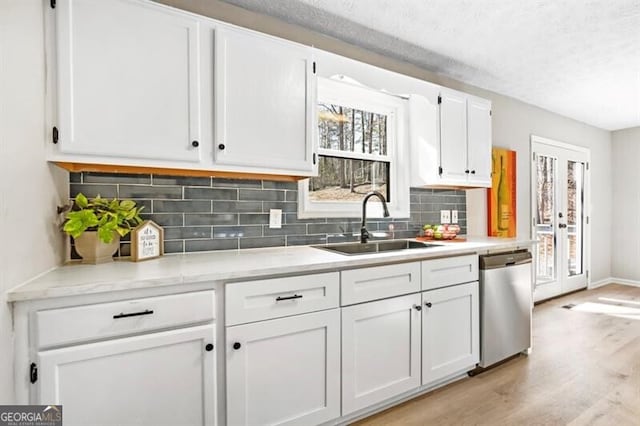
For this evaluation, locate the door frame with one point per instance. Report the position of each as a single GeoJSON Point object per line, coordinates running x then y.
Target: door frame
{"type": "Point", "coordinates": [534, 139]}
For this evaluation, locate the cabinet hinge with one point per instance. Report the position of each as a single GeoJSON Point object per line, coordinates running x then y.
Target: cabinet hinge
{"type": "Point", "coordinates": [314, 67]}
{"type": "Point", "coordinates": [33, 372]}
{"type": "Point", "coordinates": [587, 218]}
{"type": "Point", "coordinates": [54, 135]}
{"type": "Point", "coordinates": [440, 170]}
{"type": "Point", "coordinates": [533, 156]}
{"type": "Point", "coordinates": [587, 165]}
{"type": "Point", "coordinates": [53, 4]}
{"type": "Point", "coordinates": [439, 99]}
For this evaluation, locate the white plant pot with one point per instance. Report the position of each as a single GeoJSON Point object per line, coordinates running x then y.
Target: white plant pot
{"type": "Point", "coordinates": [93, 250]}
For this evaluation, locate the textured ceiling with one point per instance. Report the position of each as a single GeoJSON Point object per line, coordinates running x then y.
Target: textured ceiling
{"type": "Point", "coordinates": [578, 58]}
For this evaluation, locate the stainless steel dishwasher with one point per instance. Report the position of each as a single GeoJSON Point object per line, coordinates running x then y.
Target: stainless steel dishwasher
{"type": "Point", "coordinates": [505, 305]}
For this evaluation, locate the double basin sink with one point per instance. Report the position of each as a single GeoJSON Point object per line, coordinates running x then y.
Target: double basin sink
{"type": "Point", "coordinates": [387, 246]}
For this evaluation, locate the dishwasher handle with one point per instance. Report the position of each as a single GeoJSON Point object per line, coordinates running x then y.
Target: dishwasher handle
{"type": "Point", "coordinates": [505, 260]}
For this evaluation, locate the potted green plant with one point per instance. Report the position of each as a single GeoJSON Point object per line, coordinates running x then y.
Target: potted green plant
{"type": "Point", "coordinates": [97, 225]}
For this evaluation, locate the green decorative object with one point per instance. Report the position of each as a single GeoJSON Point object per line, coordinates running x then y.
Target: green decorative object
{"type": "Point", "coordinates": [100, 221]}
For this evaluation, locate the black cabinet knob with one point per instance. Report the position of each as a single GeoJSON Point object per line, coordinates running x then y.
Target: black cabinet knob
{"type": "Point", "coordinates": [209, 347]}
{"type": "Point", "coordinates": [221, 146]}
{"type": "Point", "coordinates": [428, 304]}
{"type": "Point", "coordinates": [417, 307]}
{"type": "Point", "coordinates": [237, 345]}
{"type": "Point", "coordinates": [466, 171]}
{"type": "Point", "coordinates": [195, 144]}
{"type": "Point", "coordinates": [473, 172]}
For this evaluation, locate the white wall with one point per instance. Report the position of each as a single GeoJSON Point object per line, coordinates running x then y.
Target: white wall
{"type": "Point", "coordinates": [625, 244]}
{"type": "Point", "coordinates": [30, 189]}
{"type": "Point", "coordinates": [513, 123]}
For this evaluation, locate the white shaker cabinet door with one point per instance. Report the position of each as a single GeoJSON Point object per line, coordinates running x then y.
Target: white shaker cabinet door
{"type": "Point", "coordinates": [165, 378]}
{"type": "Point", "coordinates": [264, 103]}
{"type": "Point", "coordinates": [128, 81]}
{"type": "Point", "coordinates": [284, 371]}
{"type": "Point", "coordinates": [380, 351]}
{"type": "Point", "coordinates": [450, 331]}
{"type": "Point", "coordinates": [479, 141]}
{"type": "Point", "coordinates": [453, 137]}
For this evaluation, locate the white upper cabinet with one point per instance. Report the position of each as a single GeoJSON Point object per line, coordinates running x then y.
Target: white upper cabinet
{"type": "Point", "coordinates": [450, 135]}
{"type": "Point", "coordinates": [264, 102]}
{"type": "Point", "coordinates": [141, 84]}
{"type": "Point", "coordinates": [128, 81]}
{"type": "Point", "coordinates": [479, 141]}
{"type": "Point", "coordinates": [453, 137]}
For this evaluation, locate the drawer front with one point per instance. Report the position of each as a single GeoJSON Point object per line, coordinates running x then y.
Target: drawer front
{"type": "Point", "coordinates": [449, 271]}
{"type": "Point", "coordinates": [92, 322]}
{"type": "Point", "coordinates": [361, 285]}
{"type": "Point", "coordinates": [279, 297]}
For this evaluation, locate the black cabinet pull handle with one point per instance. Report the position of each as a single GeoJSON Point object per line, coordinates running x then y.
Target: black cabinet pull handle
{"type": "Point", "coordinates": [295, 296]}
{"type": "Point", "coordinates": [237, 346]}
{"type": "Point", "coordinates": [209, 347]}
{"type": "Point", "coordinates": [221, 146]}
{"type": "Point", "coordinates": [195, 144]}
{"type": "Point", "coordinates": [133, 314]}
{"type": "Point", "coordinates": [428, 304]}
{"type": "Point", "coordinates": [417, 307]}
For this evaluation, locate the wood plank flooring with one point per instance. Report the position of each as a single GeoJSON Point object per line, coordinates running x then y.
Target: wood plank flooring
{"type": "Point", "coordinates": [584, 370]}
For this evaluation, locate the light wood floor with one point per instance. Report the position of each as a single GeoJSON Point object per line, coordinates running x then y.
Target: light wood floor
{"type": "Point", "coordinates": [584, 370]}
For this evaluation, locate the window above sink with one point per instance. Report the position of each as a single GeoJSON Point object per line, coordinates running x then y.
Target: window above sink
{"type": "Point", "coordinates": [362, 143]}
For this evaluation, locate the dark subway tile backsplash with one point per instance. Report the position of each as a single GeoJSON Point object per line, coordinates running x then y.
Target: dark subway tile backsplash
{"type": "Point", "coordinates": [203, 214]}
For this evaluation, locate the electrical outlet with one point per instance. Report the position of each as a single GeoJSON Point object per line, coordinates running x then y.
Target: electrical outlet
{"type": "Point", "coordinates": [445, 216]}
{"type": "Point", "coordinates": [275, 218]}
{"type": "Point", "coordinates": [454, 216]}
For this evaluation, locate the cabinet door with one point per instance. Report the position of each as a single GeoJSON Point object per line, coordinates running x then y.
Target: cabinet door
{"type": "Point", "coordinates": [284, 371]}
{"type": "Point", "coordinates": [380, 351]}
{"type": "Point", "coordinates": [264, 98]}
{"type": "Point", "coordinates": [453, 137]}
{"type": "Point", "coordinates": [163, 378]}
{"type": "Point", "coordinates": [479, 141]}
{"type": "Point", "coordinates": [128, 80]}
{"type": "Point", "coordinates": [450, 331]}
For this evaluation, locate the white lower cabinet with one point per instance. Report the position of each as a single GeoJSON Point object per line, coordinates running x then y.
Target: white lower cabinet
{"type": "Point", "coordinates": [380, 351]}
{"type": "Point", "coordinates": [450, 331]}
{"type": "Point", "coordinates": [284, 371]}
{"type": "Point", "coordinates": [163, 378]}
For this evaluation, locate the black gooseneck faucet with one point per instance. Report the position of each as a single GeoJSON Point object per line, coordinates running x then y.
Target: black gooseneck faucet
{"type": "Point", "coordinates": [364, 234]}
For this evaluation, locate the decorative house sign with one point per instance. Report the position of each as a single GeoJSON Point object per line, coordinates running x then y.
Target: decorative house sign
{"type": "Point", "coordinates": [147, 241]}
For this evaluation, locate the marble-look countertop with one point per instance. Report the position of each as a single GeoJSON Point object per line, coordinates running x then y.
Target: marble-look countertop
{"type": "Point", "coordinates": [230, 265]}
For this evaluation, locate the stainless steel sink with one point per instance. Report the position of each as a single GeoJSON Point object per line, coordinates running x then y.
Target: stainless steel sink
{"type": "Point", "coordinates": [375, 247]}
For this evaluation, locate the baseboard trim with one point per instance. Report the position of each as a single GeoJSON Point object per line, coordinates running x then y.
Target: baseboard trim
{"type": "Point", "coordinates": [601, 282]}
{"type": "Point", "coordinates": [633, 283]}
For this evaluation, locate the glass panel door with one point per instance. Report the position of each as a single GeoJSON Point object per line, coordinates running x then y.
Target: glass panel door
{"type": "Point", "coordinates": [575, 217]}
{"type": "Point", "coordinates": [545, 213]}
{"type": "Point", "coordinates": [559, 222]}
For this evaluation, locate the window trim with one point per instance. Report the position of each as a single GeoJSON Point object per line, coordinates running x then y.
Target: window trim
{"type": "Point", "coordinates": [367, 99]}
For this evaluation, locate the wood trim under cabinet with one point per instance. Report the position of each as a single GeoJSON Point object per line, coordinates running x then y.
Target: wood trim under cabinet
{"type": "Point", "coordinates": [111, 168]}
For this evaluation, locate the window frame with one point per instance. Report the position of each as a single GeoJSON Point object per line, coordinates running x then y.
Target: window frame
{"type": "Point", "coordinates": [353, 95]}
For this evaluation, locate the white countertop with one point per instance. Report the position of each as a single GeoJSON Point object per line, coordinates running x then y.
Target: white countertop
{"type": "Point", "coordinates": [228, 265]}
